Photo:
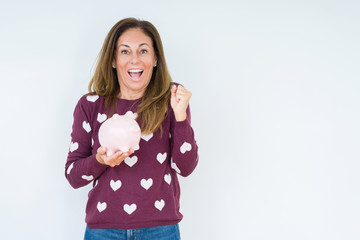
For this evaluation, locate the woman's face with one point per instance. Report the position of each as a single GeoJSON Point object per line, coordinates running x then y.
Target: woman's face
{"type": "Point", "coordinates": [134, 61]}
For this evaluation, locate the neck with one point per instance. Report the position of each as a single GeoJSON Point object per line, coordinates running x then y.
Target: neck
{"type": "Point", "coordinates": [130, 96]}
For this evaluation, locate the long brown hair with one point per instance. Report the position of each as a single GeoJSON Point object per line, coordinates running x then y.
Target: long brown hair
{"type": "Point", "coordinates": [153, 107]}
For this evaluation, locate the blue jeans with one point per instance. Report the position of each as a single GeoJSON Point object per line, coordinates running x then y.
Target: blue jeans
{"type": "Point", "coordinates": [170, 232]}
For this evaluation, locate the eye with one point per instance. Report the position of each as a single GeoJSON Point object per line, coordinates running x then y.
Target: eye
{"type": "Point", "coordinates": [124, 51]}
{"type": "Point", "coordinates": [143, 51]}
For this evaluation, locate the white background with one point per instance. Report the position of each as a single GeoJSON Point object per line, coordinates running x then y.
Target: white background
{"type": "Point", "coordinates": [275, 108]}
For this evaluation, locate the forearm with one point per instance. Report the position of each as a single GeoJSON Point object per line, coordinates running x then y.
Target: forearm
{"type": "Point", "coordinates": [81, 171]}
{"type": "Point", "coordinates": [184, 149]}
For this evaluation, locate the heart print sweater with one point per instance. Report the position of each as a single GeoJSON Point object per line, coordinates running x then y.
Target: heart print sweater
{"type": "Point", "coordinates": [143, 191]}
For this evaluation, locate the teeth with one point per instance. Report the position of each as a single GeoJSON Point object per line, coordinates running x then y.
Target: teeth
{"type": "Point", "coordinates": [135, 70]}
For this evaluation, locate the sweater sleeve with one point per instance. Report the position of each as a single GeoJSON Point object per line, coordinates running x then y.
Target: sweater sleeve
{"type": "Point", "coordinates": [183, 145]}
{"type": "Point", "coordinates": [81, 166]}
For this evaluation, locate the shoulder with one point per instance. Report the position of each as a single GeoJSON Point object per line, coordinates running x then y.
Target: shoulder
{"type": "Point", "coordinates": [90, 102]}
{"type": "Point", "coordinates": [90, 99]}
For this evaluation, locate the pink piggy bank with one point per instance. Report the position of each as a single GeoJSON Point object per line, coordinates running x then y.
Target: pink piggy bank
{"type": "Point", "coordinates": [119, 133]}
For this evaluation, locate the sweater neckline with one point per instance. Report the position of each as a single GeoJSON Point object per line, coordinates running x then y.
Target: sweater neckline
{"type": "Point", "coordinates": [129, 100]}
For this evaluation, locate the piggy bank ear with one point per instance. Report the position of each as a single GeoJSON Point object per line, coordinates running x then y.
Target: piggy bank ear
{"type": "Point", "coordinates": [116, 115]}
{"type": "Point", "coordinates": [131, 114]}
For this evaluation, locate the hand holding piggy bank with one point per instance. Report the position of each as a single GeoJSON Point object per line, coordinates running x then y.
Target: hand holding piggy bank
{"type": "Point", "coordinates": [119, 133]}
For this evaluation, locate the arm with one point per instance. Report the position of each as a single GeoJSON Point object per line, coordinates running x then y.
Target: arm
{"type": "Point", "coordinates": [81, 165]}
{"type": "Point", "coordinates": [183, 145]}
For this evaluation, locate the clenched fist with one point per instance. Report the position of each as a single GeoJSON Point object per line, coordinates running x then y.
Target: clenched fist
{"type": "Point", "coordinates": [180, 98]}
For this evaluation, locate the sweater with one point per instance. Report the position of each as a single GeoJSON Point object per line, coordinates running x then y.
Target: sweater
{"type": "Point", "coordinates": [143, 191]}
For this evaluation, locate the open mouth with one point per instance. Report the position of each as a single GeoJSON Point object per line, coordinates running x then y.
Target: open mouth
{"type": "Point", "coordinates": [135, 74]}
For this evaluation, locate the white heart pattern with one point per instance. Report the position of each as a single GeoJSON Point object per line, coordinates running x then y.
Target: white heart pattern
{"type": "Point", "coordinates": [88, 178]}
{"type": "Point", "coordinates": [130, 161]}
{"type": "Point", "coordinates": [159, 204]}
{"type": "Point", "coordinates": [146, 183]}
{"type": "Point", "coordinates": [101, 206]}
{"type": "Point", "coordinates": [185, 147]}
{"type": "Point", "coordinates": [161, 157]}
{"type": "Point", "coordinates": [115, 185]}
{"type": "Point", "coordinates": [69, 168]}
{"type": "Point", "coordinates": [86, 126]}
{"type": "Point", "coordinates": [147, 137]}
{"type": "Point", "coordinates": [167, 178]}
{"type": "Point", "coordinates": [73, 146]}
{"type": "Point", "coordinates": [101, 117]}
{"type": "Point", "coordinates": [129, 209]}
{"type": "Point", "coordinates": [92, 98]}
{"type": "Point", "coordinates": [175, 167]}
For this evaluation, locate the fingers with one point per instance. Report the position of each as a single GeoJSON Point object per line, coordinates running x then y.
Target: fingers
{"type": "Point", "coordinates": [114, 160]}
{"type": "Point", "coordinates": [180, 93]}
{"type": "Point", "coordinates": [180, 98]}
{"type": "Point", "coordinates": [173, 93]}
{"type": "Point", "coordinates": [101, 150]}
{"type": "Point", "coordinates": [117, 158]}
{"type": "Point", "coordinates": [101, 153]}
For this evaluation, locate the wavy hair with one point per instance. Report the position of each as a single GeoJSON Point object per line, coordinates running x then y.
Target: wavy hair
{"type": "Point", "coordinates": [153, 106]}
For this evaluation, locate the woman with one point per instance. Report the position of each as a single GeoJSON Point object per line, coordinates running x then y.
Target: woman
{"type": "Point", "coordinates": [134, 193]}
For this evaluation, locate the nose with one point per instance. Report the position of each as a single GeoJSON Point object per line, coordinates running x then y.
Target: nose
{"type": "Point", "coordinates": [134, 58]}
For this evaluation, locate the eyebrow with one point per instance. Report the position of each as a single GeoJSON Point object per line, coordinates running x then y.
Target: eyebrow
{"type": "Point", "coordinates": [140, 45]}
